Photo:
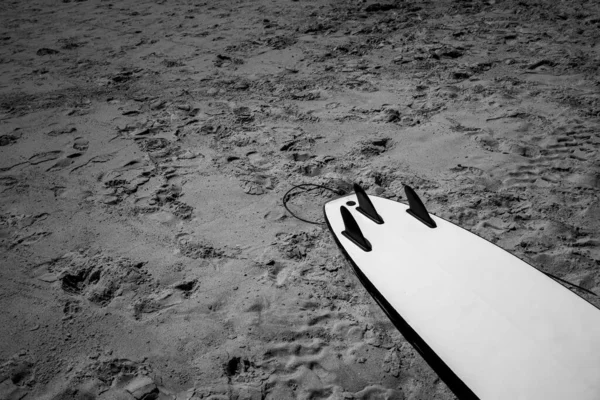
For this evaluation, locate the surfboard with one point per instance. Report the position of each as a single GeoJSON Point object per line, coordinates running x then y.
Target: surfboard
{"type": "Point", "coordinates": [489, 324]}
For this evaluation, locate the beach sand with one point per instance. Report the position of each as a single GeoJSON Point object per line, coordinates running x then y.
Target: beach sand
{"type": "Point", "coordinates": [145, 147]}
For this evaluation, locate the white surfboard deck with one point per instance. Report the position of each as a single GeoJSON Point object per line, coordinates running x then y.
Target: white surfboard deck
{"type": "Point", "coordinates": [504, 328]}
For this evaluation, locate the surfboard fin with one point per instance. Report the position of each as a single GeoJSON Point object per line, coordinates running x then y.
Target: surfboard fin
{"type": "Point", "coordinates": [352, 230]}
{"type": "Point", "coordinates": [417, 208]}
{"type": "Point", "coordinates": [365, 206]}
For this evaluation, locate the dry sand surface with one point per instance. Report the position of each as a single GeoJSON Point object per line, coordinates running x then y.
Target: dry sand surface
{"type": "Point", "coordinates": [146, 146]}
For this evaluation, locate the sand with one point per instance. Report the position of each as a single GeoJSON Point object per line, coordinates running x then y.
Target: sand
{"type": "Point", "coordinates": [145, 147]}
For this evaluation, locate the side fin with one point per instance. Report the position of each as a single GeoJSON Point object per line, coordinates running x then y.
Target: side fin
{"type": "Point", "coordinates": [417, 209]}
{"type": "Point", "coordinates": [365, 206]}
{"type": "Point", "coordinates": [352, 231]}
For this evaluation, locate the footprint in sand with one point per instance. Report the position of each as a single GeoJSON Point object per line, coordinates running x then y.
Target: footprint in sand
{"type": "Point", "coordinates": [72, 307]}
{"type": "Point", "coordinates": [165, 298]}
{"type": "Point", "coordinates": [373, 147]}
{"type": "Point", "coordinates": [6, 140]}
{"type": "Point", "coordinates": [156, 302]}
{"type": "Point", "coordinates": [257, 184]}
{"type": "Point", "coordinates": [258, 160]}
{"type": "Point", "coordinates": [153, 144]}
{"type": "Point", "coordinates": [163, 217]}
{"type": "Point", "coordinates": [561, 158]}
{"type": "Point", "coordinates": [7, 182]}
{"type": "Point", "coordinates": [29, 239]}
{"type": "Point", "coordinates": [277, 272]}
{"type": "Point", "coordinates": [65, 162]}
{"type": "Point", "coordinates": [81, 144]}
{"type": "Point", "coordinates": [329, 352]}
{"type": "Point", "coordinates": [100, 278]}
{"type": "Point", "coordinates": [116, 378]}
{"type": "Point", "coordinates": [44, 156]}
{"type": "Point", "coordinates": [518, 148]}
{"type": "Point", "coordinates": [62, 131]}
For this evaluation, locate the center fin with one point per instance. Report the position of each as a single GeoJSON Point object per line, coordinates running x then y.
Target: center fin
{"type": "Point", "coordinates": [417, 208]}
{"type": "Point", "coordinates": [352, 230]}
{"type": "Point", "coordinates": [365, 206]}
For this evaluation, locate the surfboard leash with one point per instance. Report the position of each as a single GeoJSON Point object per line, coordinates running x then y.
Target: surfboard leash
{"type": "Point", "coordinates": [313, 186]}
{"type": "Point", "coordinates": [556, 278]}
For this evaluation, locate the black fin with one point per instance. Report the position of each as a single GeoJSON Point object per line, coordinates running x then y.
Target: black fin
{"type": "Point", "coordinates": [352, 231]}
{"type": "Point", "coordinates": [417, 209]}
{"type": "Point", "coordinates": [365, 206]}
